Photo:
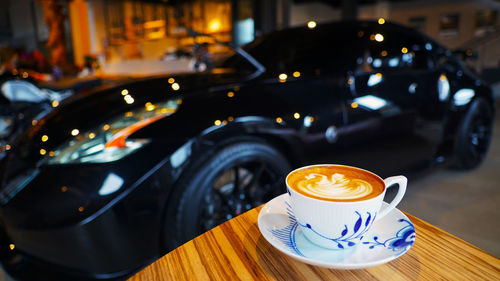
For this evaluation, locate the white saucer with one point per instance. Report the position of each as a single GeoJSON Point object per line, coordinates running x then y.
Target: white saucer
{"type": "Point", "coordinates": [388, 238]}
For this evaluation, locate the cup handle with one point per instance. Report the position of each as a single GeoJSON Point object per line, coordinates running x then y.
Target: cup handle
{"type": "Point", "coordinates": [402, 181]}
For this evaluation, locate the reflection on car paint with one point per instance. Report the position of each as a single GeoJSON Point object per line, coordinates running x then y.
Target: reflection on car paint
{"type": "Point", "coordinates": [463, 96]}
{"type": "Point", "coordinates": [111, 184]}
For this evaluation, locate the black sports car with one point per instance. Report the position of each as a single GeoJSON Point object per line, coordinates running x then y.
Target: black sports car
{"type": "Point", "coordinates": [114, 178]}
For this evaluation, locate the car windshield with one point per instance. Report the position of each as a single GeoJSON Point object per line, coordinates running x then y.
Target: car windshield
{"type": "Point", "coordinates": [235, 59]}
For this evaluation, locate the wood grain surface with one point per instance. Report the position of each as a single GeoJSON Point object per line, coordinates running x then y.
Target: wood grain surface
{"type": "Point", "coordinates": [236, 250]}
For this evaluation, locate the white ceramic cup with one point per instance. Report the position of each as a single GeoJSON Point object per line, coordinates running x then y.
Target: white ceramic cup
{"type": "Point", "coordinates": [336, 224]}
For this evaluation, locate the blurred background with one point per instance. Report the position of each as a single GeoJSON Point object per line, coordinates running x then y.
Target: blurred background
{"type": "Point", "coordinates": [55, 39]}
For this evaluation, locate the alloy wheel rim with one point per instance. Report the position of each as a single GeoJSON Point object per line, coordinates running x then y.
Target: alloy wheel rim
{"type": "Point", "coordinates": [238, 189]}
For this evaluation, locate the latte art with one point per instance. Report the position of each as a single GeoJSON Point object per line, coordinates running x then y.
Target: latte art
{"type": "Point", "coordinates": [337, 186]}
{"type": "Point", "coordinates": [335, 183]}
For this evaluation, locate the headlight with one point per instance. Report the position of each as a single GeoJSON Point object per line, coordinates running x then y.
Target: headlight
{"type": "Point", "coordinates": [109, 141]}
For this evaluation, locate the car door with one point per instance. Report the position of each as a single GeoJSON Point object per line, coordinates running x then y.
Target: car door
{"type": "Point", "coordinates": [344, 112]}
{"type": "Point", "coordinates": [326, 56]}
{"type": "Point", "coordinates": [387, 87]}
{"type": "Point", "coordinates": [305, 83]}
{"type": "Point", "coordinates": [432, 101]}
{"type": "Point", "coordinates": [336, 124]}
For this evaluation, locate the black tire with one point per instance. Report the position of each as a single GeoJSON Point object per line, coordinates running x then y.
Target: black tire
{"type": "Point", "coordinates": [474, 135]}
{"type": "Point", "coordinates": [237, 178]}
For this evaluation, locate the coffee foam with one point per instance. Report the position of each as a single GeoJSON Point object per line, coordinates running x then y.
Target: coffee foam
{"type": "Point", "coordinates": [336, 183]}
{"type": "Point", "coordinates": [338, 186]}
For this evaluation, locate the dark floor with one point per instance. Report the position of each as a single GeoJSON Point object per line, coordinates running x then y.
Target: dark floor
{"type": "Point", "coordinates": [463, 203]}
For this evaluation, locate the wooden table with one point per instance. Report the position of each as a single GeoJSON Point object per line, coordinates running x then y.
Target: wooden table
{"type": "Point", "coordinates": [236, 250]}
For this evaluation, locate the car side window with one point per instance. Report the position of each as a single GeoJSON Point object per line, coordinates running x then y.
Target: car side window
{"type": "Point", "coordinates": [308, 51]}
{"type": "Point", "coordinates": [325, 51]}
{"type": "Point", "coordinates": [301, 51]}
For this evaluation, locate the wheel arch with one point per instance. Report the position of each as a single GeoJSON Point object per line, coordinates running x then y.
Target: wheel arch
{"type": "Point", "coordinates": [251, 128]}
{"type": "Point", "coordinates": [454, 126]}
{"type": "Point", "coordinates": [455, 117]}
{"type": "Point", "coordinates": [215, 138]}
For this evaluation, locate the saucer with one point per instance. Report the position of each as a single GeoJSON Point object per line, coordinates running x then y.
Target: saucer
{"type": "Point", "coordinates": [388, 238]}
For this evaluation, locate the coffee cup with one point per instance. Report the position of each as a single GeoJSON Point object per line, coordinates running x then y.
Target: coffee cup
{"type": "Point", "coordinates": [335, 205]}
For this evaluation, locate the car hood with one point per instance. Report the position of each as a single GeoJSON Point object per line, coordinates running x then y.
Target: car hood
{"type": "Point", "coordinates": [88, 110]}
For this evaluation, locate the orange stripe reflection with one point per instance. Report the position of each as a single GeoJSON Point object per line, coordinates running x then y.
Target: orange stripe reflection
{"type": "Point", "coordinates": [119, 138]}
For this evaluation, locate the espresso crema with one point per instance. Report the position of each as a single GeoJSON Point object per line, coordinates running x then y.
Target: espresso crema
{"type": "Point", "coordinates": [336, 183]}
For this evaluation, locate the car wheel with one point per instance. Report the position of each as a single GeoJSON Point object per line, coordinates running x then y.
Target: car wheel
{"type": "Point", "coordinates": [237, 178]}
{"type": "Point", "coordinates": [474, 135]}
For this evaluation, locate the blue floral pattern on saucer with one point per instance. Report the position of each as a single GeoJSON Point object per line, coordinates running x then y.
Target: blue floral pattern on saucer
{"type": "Point", "coordinates": [404, 238]}
{"type": "Point", "coordinates": [286, 234]}
{"type": "Point", "coordinates": [388, 238]}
